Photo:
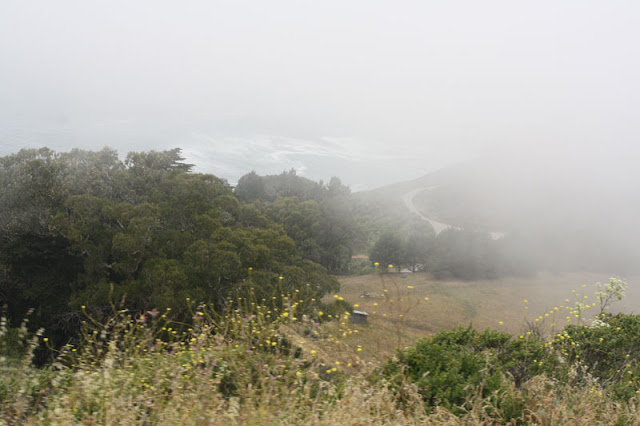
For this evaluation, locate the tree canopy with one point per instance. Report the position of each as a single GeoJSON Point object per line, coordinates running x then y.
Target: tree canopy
{"type": "Point", "coordinates": [87, 229]}
{"type": "Point", "coordinates": [319, 217]}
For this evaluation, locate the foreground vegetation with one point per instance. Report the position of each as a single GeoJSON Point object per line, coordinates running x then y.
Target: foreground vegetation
{"type": "Point", "coordinates": [84, 228]}
{"type": "Point", "coordinates": [260, 363]}
{"type": "Point", "coordinates": [167, 297]}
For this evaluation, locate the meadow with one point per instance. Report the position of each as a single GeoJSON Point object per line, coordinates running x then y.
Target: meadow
{"type": "Point", "coordinates": [258, 363]}
{"type": "Point", "coordinates": [401, 314]}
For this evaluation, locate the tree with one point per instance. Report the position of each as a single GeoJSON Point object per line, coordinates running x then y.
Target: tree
{"type": "Point", "coordinates": [387, 250]}
{"type": "Point", "coordinates": [463, 254]}
{"type": "Point", "coordinates": [336, 188]}
{"type": "Point", "coordinates": [141, 162]}
{"type": "Point", "coordinates": [250, 188]}
{"type": "Point", "coordinates": [86, 229]}
{"type": "Point", "coordinates": [416, 250]}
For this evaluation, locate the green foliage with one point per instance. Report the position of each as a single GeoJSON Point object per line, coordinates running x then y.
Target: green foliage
{"type": "Point", "coordinates": [319, 218]}
{"type": "Point", "coordinates": [448, 368]}
{"type": "Point", "coordinates": [360, 267]}
{"type": "Point", "coordinates": [387, 250]}
{"type": "Point", "coordinates": [418, 246]}
{"type": "Point", "coordinates": [464, 255]}
{"type": "Point", "coordinates": [85, 228]}
{"type": "Point", "coordinates": [452, 254]}
{"type": "Point", "coordinates": [266, 358]}
{"type": "Point", "coordinates": [453, 365]}
{"type": "Point", "coordinates": [250, 188]}
{"type": "Point", "coordinates": [608, 350]}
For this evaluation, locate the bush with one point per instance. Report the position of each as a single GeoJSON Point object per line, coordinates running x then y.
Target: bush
{"type": "Point", "coordinates": [454, 365]}
{"type": "Point", "coordinates": [608, 350]}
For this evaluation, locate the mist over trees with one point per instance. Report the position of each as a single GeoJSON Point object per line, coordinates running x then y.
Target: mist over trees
{"type": "Point", "coordinates": [450, 254]}
{"type": "Point", "coordinates": [87, 229]}
{"type": "Point", "coordinates": [557, 214]}
{"type": "Point", "coordinates": [320, 218]}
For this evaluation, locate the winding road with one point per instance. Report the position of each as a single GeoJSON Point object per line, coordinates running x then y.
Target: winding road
{"type": "Point", "coordinates": [438, 227]}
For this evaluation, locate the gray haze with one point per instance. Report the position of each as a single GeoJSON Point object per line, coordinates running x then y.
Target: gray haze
{"type": "Point", "coordinates": [371, 91]}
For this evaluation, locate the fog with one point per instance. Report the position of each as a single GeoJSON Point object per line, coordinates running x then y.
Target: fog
{"type": "Point", "coordinates": [373, 92]}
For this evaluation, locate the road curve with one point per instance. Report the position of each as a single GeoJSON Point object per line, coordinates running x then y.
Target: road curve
{"type": "Point", "coordinates": [438, 227]}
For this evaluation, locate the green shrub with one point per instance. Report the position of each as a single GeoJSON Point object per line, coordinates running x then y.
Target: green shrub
{"type": "Point", "coordinates": [608, 350]}
{"type": "Point", "coordinates": [453, 365]}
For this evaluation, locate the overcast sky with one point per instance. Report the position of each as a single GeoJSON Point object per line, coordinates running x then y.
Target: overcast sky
{"type": "Point", "coordinates": [371, 91]}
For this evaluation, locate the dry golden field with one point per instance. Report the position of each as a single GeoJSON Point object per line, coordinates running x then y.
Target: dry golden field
{"type": "Point", "coordinates": [401, 314]}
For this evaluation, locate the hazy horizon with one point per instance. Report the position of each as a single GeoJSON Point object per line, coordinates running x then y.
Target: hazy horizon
{"type": "Point", "coordinates": [372, 92]}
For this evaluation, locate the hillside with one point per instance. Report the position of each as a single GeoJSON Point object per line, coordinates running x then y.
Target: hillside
{"type": "Point", "coordinates": [568, 217]}
{"type": "Point", "coordinates": [137, 291]}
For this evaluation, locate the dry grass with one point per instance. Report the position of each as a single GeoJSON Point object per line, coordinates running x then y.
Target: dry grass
{"type": "Point", "coordinates": [484, 304]}
{"type": "Point", "coordinates": [127, 376]}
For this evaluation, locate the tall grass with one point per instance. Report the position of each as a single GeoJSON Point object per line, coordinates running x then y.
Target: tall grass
{"type": "Point", "coordinates": [255, 363]}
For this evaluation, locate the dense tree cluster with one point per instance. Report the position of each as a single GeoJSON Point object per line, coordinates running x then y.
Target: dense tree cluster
{"type": "Point", "coordinates": [450, 254]}
{"type": "Point", "coordinates": [319, 217]}
{"type": "Point", "coordinates": [252, 187]}
{"type": "Point", "coordinates": [87, 229]}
